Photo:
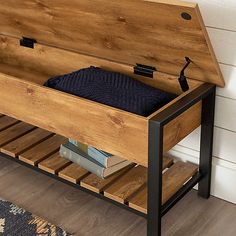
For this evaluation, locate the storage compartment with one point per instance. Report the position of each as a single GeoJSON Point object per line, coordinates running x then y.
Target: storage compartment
{"type": "Point", "coordinates": [24, 71]}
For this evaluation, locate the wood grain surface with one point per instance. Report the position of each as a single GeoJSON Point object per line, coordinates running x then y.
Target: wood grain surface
{"type": "Point", "coordinates": [115, 131]}
{"type": "Point", "coordinates": [173, 179]}
{"type": "Point", "coordinates": [127, 185]}
{"type": "Point", "coordinates": [182, 126]}
{"type": "Point", "coordinates": [97, 184]}
{"type": "Point", "coordinates": [177, 175]}
{"type": "Point", "coordinates": [14, 132]}
{"type": "Point", "coordinates": [41, 151]}
{"type": "Point", "coordinates": [53, 164]}
{"type": "Point", "coordinates": [44, 61]}
{"type": "Point", "coordinates": [6, 122]}
{"type": "Point", "coordinates": [73, 173]}
{"type": "Point", "coordinates": [25, 142]}
{"type": "Point", "coordinates": [150, 37]}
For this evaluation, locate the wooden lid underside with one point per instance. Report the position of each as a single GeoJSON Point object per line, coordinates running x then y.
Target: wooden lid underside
{"type": "Point", "coordinates": [127, 31]}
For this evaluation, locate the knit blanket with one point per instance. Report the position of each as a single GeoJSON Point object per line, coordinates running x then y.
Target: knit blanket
{"type": "Point", "coordinates": [113, 89]}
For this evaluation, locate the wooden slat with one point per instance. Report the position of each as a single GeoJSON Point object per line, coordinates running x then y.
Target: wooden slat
{"type": "Point", "coordinates": [54, 163]}
{"type": "Point", "coordinates": [97, 184]}
{"type": "Point", "coordinates": [173, 180]}
{"type": "Point", "coordinates": [139, 201]}
{"type": "Point", "coordinates": [41, 151]}
{"type": "Point", "coordinates": [14, 132]}
{"type": "Point", "coordinates": [127, 185]}
{"type": "Point", "coordinates": [73, 173]}
{"type": "Point", "coordinates": [6, 122]}
{"type": "Point", "coordinates": [167, 161]}
{"type": "Point", "coordinates": [157, 35]}
{"type": "Point", "coordinates": [25, 142]}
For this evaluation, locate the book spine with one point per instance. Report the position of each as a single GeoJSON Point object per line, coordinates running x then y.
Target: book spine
{"type": "Point", "coordinates": [74, 142]}
{"type": "Point", "coordinates": [99, 158]}
{"type": "Point", "coordinates": [83, 162]}
{"type": "Point", "coordinates": [79, 145]}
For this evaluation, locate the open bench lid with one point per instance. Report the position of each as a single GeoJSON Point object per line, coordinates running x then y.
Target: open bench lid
{"type": "Point", "coordinates": [158, 33]}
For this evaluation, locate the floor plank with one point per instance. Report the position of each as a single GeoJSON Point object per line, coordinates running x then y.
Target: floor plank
{"type": "Point", "coordinates": [85, 215]}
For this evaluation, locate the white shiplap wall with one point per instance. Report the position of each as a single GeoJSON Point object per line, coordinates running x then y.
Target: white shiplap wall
{"type": "Point", "coordinates": [220, 19]}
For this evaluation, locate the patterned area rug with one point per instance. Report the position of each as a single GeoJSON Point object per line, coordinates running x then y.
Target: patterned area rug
{"type": "Point", "coordinates": [15, 221]}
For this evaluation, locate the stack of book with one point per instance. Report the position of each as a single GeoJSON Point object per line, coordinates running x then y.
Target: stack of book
{"type": "Point", "coordinates": [96, 161]}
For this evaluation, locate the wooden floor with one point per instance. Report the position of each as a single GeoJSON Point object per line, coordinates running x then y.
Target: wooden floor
{"type": "Point", "coordinates": [85, 215]}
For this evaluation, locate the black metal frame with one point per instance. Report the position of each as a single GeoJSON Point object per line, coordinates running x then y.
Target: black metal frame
{"type": "Point", "coordinates": [155, 210]}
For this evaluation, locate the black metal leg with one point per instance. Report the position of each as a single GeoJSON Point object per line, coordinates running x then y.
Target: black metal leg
{"type": "Point", "coordinates": [155, 211]}
{"type": "Point", "coordinates": [207, 130]}
{"type": "Point", "coordinates": [155, 162]}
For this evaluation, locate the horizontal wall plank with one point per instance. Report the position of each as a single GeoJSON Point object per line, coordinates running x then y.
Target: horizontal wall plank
{"type": "Point", "coordinates": [225, 114]}
{"type": "Point", "coordinates": [193, 156]}
{"type": "Point", "coordinates": [223, 38]}
{"type": "Point", "coordinates": [223, 183]}
{"type": "Point", "coordinates": [218, 13]}
{"type": "Point", "coordinates": [224, 45]}
{"type": "Point", "coordinates": [224, 143]}
{"type": "Point", "coordinates": [229, 73]}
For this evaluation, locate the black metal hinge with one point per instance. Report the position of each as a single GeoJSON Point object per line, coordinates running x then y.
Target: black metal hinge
{"type": "Point", "coordinates": [144, 70]}
{"type": "Point", "coordinates": [27, 42]}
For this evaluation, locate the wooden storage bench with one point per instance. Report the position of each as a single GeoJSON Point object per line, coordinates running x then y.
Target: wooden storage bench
{"type": "Point", "coordinates": [148, 40]}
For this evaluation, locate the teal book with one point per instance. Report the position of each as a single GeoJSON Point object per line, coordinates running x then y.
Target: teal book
{"type": "Point", "coordinates": [74, 154]}
{"type": "Point", "coordinates": [104, 158]}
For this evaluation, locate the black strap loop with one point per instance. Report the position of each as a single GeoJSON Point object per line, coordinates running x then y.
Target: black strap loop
{"type": "Point", "coordinates": [182, 78]}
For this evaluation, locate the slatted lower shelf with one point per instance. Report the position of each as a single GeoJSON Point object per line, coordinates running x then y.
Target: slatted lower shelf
{"type": "Point", "coordinates": [39, 148]}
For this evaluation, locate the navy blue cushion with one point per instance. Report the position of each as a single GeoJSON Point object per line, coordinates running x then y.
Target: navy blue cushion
{"type": "Point", "coordinates": [113, 89]}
